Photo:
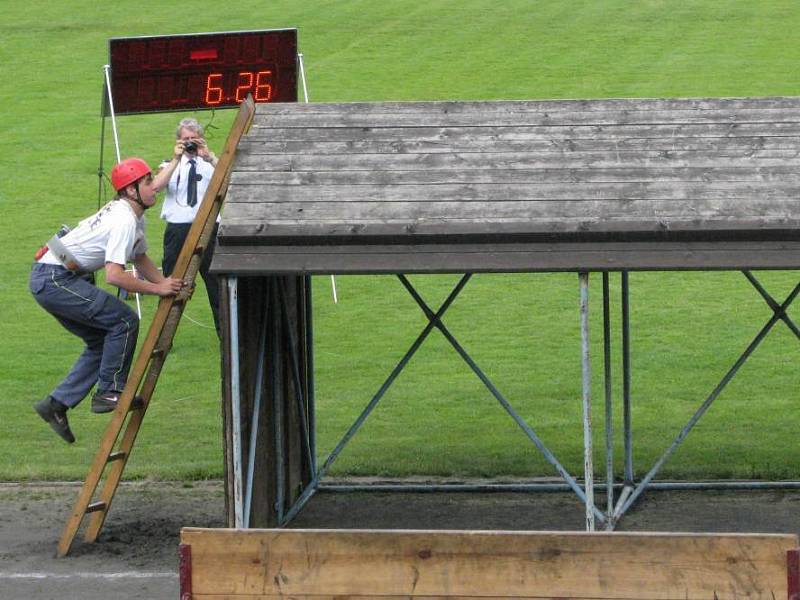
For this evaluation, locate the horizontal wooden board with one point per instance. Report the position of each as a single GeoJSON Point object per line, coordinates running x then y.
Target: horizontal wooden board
{"type": "Point", "coordinates": [512, 131]}
{"type": "Point", "coordinates": [505, 258]}
{"type": "Point", "coordinates": [494, 170]}
{"type": "Point", "coordinates": [407, 155]}
{"type": "Point", "coordinates": [260, 596]}
{"type": "Point", "coordinates": [540, 213]}
{"type": "Point", "coordinates": [249, 189]}
{"type": "Point", "coordinates": [295, 563]}
{"type": "Point", "coordinates": [568, 105]}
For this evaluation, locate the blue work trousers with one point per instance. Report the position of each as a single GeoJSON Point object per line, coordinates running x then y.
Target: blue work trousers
{"type": "Point", "coordinates": [107, 325]}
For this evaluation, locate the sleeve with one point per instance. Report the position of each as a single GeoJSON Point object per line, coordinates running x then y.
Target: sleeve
{"type": "Point", "coordinates": [140, 245]}
{"type": "Point", "coordinates": [121, 240]}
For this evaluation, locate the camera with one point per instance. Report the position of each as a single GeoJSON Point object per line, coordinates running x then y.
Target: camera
{"type": "Point", "coordinates": [190, 146]}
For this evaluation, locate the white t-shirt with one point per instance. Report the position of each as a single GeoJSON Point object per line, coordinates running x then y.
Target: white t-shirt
{"type": "Point", "coordinates": [175, 208]}
{"type": "Point", "coordinates": [113, 234]}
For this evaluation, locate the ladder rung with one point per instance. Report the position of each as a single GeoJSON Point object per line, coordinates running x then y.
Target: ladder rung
{"type": "Point", "coordinates": [116, 456]}
{"type": "Point", "coordinates": [95, 506]}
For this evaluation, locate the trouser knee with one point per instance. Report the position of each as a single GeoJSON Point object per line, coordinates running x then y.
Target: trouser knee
{"type": "Point", "coordinates": [128, 323]}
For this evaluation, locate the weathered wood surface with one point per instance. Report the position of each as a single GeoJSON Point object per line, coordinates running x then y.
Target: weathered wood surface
{"type": "Point", "coordinates": [485, 564]}
{"type": "Point", "coordinates": [272, 308]}
{"type": "Point", "coordinates": [427, 258]}
{"type": "Point", "coordinates": [455, 173]}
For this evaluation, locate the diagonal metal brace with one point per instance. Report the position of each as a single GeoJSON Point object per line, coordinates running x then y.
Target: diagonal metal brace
{"type": "Point", "coordinates": [778, 312]}
{"type": "Point", "coordinates": [435, 320]}
{"type": "Point", "coordinates": [778, 309]}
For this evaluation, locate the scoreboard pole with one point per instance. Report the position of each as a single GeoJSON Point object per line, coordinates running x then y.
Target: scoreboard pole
{"type": "Point", "coordinates": [107, 74]}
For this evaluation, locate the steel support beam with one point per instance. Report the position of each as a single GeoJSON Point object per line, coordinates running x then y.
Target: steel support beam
{"type": "Point", "coordinates": [779, 314]}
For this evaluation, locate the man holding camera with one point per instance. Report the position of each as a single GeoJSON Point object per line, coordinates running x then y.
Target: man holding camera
{"type": "Point", "coordinates": [185, 191]}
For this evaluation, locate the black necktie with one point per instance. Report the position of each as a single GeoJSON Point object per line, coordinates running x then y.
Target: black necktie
{"type": "Point", "coordinates": [191, 186]}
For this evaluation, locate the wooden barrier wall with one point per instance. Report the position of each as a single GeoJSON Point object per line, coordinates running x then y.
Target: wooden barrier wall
{"type": "Point", "coordinates": [250, 564]}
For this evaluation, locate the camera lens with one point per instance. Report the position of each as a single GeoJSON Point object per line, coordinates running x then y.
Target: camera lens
{"type": "Point", "coordinates": [190, 146]}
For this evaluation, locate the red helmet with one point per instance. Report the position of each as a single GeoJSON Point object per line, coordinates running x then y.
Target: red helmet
{"type": "Point", "coordinates": [127, 172]}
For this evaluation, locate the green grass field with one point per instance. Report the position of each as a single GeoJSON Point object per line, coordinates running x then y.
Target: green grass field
{"type": "Point", "coordinates": [523, 329]}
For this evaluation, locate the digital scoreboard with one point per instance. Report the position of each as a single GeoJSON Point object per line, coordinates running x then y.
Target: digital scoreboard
{"type": "Point", "coordinates": [202, 71]}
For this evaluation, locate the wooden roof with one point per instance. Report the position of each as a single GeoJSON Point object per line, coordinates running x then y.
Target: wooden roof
{"type": "Point", "coordinates": [515, 186]}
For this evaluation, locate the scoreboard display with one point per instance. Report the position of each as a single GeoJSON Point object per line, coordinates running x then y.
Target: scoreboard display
{"type": "Point", "coordinates": [202, 71]}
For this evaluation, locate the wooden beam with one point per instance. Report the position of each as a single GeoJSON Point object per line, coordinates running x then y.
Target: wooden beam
{"type": "Point", "coordinates": [464, 564]}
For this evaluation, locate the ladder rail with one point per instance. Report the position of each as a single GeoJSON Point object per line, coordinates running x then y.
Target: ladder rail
{"type": "Point", "coordinates": [147, 388]}
{"type": "Point", "coordinates": [152, 355]}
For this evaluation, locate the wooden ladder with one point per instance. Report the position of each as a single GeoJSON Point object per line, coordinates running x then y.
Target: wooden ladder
{"type": "Point", "coordinates": [144, 374]}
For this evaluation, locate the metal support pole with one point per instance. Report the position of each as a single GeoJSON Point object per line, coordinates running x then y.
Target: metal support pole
{"type": "Point", "coordinates": [277, 403]}
{"type": "Point", "coordinates": [609, 424]}
{"type": "Point", "coordinates": [107, 76]}
{"type": "Point", "coordinates": [107, 73]}
{"type": "Point", "coordinates": [233, 294]}
{"type": "Point", "coordinates": [626, 379]}
{"type": "Point", "coordinates": [309, 341]}
{"type": "Point", "coordinates": [102, 152]}
{"type": "Point", "coordinates": [710, 399]}
{"type": "Point", "coordinates": [295, 365]}
{"type": "Point", "coordinates": [586, 370]}
{"type": "Point", "coordinates": [303, 76]}
{"type": "Point", "coordinates": [306, 99]}
{"type": "Point", "coordinates": [490, 487]}
{"type": "Point", "coordinates": [259, 389]}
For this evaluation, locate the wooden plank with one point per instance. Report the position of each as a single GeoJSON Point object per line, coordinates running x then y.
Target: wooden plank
{"type": "Point", "coordinates": [454, 231]}
{"type": "Point", "coordinates": [623, 150]}
{"type": "Point", "coordinates": [699, 211]}
{"type": "Point", "coordinates": [500, 258]}
{"type": "Point", "coordinates": [496, 172]}
{"type": "Point", "coordinates": [582, 155]}
{"type": "Point", "coordinates": [550, 106]}
{"type": "Point", "coordinates": [521, 131]}
{"type": "Point", "coordinates": [360, 597]}
{"type": "Point", "coordinates": [531, 119]}
{"type": "Point", "coordinates": [480, 563]}
{"type": "Point", "coordinates": [248, 189]}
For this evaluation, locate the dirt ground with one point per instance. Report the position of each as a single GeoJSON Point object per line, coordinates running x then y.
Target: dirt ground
{"type": "Point", "coordinates": [136, 556]}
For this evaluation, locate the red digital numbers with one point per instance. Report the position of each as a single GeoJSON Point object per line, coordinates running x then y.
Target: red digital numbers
{"type": "Point", "coordinates": [214, 93]}
{"type": "Point", "coordinates": [258, 83]}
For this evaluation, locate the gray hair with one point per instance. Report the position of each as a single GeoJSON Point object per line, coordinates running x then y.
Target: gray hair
{"type": "Point", "coordinates": [191, 124]}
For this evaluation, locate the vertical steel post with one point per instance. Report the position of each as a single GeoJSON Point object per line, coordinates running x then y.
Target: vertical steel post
{"type": "Point", "coordinates": [296, 376]}
{"type": "Point", "coordinates": [588, 464]}
{"type": "Point", "coordinates": [626, 380]}
{"type": "Point", "coordinates": [259, 389]}
{"type": "Point", "coordinates": [312, 423]}
{"type": "Point", "coordinates": [608, 398]}
{"type": "Point", "coordinates": [277, 402]}
{"type": "Point", "coordinates": [233, 293]}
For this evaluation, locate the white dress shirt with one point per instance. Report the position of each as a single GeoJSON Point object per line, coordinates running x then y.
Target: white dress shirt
{"type": "Point", "coordinates": [176, 209]}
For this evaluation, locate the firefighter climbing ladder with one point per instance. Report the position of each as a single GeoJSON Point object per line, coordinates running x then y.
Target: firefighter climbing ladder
{"type": "Point", "coordinates": [128, 415]}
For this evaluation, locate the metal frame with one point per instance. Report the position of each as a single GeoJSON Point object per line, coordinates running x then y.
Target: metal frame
{"type": "Point", "coordinates": [779, 314]}
{"type": "Point", "coordinates": [629, 490]}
